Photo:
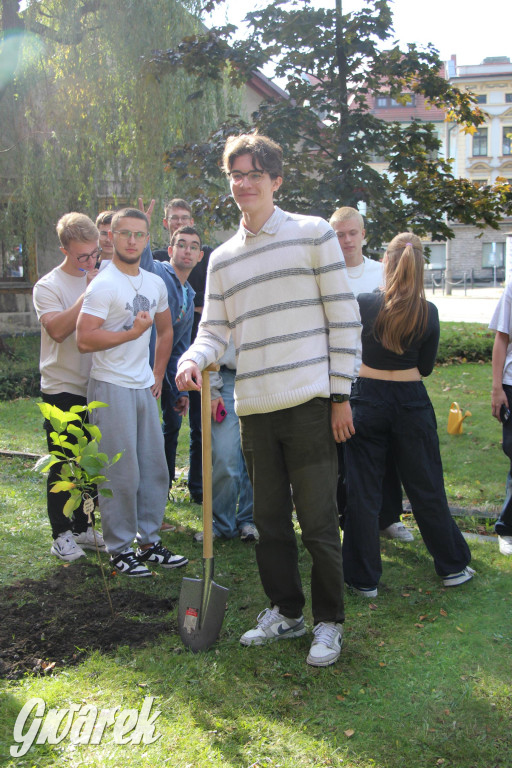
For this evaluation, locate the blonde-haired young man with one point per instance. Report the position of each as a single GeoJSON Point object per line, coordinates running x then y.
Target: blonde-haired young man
{"type": "Point", "coordinates": [58, 298]}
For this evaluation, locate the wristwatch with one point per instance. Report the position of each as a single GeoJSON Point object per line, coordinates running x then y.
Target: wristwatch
{"type": "Point", "coordinates": [335, 398]}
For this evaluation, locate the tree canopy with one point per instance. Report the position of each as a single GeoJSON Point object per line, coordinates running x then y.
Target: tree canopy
{"type": "Point", "coordinates": [333, 64]}
{"type": "Point", "coordinates": [83, 120]}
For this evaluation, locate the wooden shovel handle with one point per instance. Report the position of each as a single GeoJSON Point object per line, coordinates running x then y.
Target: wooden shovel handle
{"type": "Point", "coordinates": [206, 437]}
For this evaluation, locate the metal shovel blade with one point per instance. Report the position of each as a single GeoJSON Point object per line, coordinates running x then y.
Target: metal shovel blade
{"type": "Point", "coordinates": [201, 610]}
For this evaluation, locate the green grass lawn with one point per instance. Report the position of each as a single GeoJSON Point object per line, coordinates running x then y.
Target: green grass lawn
{"type": "Point", "coordinates": [423, 679]}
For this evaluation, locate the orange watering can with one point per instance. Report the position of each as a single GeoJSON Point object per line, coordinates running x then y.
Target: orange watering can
{"type": "Point", "coordinates": [455, 419]}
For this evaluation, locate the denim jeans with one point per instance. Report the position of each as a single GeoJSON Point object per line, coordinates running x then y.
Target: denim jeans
{"type": "Point", "coordinates": [397, 417]}
{"type": "Point", "coordinates": [56, 501]}
{"type": "Point", "coordinates": [503, 525]}
{"type": "Point", "coordinates": [231, 487]}
{"type": "Point", "coordinates": [295, 447]}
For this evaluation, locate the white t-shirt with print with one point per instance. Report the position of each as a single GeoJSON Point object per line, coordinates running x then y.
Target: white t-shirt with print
{"type": "Point", "coordinates": [117, 298]}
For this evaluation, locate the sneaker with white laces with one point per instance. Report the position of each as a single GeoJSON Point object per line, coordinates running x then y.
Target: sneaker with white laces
{"type": "Point", "coordinates": [249, 532]}
{"type": "Point", "coordinates": [65, 547]}
{"type": "Point", "coordinates": [86, 539]}
{"type": "Point", "coordinates": [505, 545]}
{"type": "Point", "coordinates": [160, 555]}
{"type": "Point", "coordinates": [456, 579]}
{"type": "Point", "coordinates": [326, 646]}
{"type": "Point", "coordinates": [128, 564]}
{"type": "Point", "coordinates": [271, 626]}
{"type": "Point", "coordinates": [397, 531]}
{"type": "Point", "coordinates": [363, 591]}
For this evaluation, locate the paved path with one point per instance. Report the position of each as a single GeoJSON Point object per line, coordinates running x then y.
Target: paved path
{"type": "Point", "coordinates": [475, 307]}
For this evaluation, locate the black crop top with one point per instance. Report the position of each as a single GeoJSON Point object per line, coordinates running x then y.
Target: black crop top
{"type": "Point", "coordinates": [422, 352]}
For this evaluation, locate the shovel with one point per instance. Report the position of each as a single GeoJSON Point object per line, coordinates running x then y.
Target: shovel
{"type": "Point", "coordinates": [203, 602]}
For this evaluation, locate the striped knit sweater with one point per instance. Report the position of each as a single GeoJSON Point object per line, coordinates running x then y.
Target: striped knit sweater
{"type": "Point", "coordinates": [284, 296]}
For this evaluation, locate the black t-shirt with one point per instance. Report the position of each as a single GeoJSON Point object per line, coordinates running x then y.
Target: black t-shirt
{"type": "Point", "coordinates": [422, 352]}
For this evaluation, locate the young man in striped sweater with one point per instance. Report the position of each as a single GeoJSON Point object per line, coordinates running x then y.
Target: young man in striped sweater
{"type": "Point", "coordinates": [279, 288]}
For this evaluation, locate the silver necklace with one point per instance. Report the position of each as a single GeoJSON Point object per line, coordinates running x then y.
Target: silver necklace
{"type": "Point", "coordinates": [132, 285]}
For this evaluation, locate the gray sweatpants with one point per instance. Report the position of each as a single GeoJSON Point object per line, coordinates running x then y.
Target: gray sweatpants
{"type": "Point", "coordinates": [140, 479]}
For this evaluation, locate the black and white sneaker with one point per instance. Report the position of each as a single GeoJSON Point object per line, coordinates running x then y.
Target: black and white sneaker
{"type": "Point", "coordinates": [128, 564]}
{"type": "Point", "coordinates": [160, 555]}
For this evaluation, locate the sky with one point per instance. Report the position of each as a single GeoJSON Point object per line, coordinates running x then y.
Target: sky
{"type": "Point", "coordinates": [466, 28]}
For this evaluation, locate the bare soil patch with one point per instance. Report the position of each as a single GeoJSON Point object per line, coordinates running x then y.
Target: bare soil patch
{"type": "Point", "coordinates": [52, 623]}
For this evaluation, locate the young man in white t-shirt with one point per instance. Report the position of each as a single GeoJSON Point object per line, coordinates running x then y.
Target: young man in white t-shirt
{"type": "Point", "coordinates": [502, 404]}
{"type": "Point", "coordinates": [58, 298]}
{"type": "Point", "coordinates": [365, 276]}
{"type": "Point", "coordinates": [118, 311]}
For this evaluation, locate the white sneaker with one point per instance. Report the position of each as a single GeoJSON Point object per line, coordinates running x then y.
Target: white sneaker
{"type": "Point", "coordinates": [505, 545]}
{"type": "Point", "coordinates": [363, 591]}
{"type": "Point", "coordinates": [249, 532]}
{"type": "Point", "coordinates": [86, 539]}
{"type": "Point", "coordinates": [397, 531]}
{"type": "Point", "coordinates": [272, 625]}
{"type": "Point", "coordinates": [326, 645]}
{"type": "Point", "coordinates": [456, 579]}
{"type": "Point", "coordinates": [65, 547]}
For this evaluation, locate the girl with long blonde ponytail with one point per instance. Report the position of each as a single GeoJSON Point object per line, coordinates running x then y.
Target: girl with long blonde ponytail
{"type": "Point", "coordinates": [391, 411]}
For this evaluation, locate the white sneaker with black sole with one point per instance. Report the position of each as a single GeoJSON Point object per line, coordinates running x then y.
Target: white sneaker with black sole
{"type": "Point", "coordinates": [86, 539]}
{"type": "Point", "coordinates": [271, 626]}
{"type": "Point", "coordinates": [160, 555]}
{"type": "Point", "coordinates": [127, 564]}
{"type": "Point", "coordinates": [66, 548]}
{"type": "Point", "coordinates": [326, 646]}
{"type": "Point", "coordinates": [456, 579]}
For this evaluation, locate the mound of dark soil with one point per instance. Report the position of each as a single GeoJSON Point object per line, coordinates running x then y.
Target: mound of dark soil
{"type": "Point", "coordinates": [55, 622]}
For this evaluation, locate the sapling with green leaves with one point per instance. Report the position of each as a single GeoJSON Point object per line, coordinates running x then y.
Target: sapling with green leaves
{"type": "Point", "coordinates": [83, 465]}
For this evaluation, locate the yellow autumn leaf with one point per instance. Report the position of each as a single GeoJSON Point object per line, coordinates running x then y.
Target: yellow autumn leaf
{"type": "Point", "coordinates": [349, 732]}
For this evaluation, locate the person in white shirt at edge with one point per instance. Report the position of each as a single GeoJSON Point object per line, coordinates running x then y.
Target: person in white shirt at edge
{"type": "Point", "coordinates": [365, 276]}
{"type": "Point", "coordinates": [501, 403]}
{"type": "Point", "coordinates": [58, 298]}
{"type": "Point", "coordinates": [279, 288]}
{"type": "Point", "coordinates": [118, 311]}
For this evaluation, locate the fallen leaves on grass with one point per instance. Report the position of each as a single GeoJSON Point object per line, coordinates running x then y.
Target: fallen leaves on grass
{"type": "Point", "coordinates": [349, 733]}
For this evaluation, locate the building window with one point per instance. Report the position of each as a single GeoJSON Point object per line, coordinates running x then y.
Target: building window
{"type": "Point", "coordinates": [406, 100]}
{"type": "Point", "coordinates": [481, 98]}
{"type": "Point", "coordinates": [493, 255]}
{"type": "Point", "coordinates": [507, 140]}
{"type": "Point", "coordinates": [436, 257]}
{"type": "Point", "coordinates": [508, 97]}
{"type": "Point", "coordinates": [480, 143]}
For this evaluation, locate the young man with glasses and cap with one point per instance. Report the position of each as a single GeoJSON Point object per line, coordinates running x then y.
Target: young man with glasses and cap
{"type": "Point", "coordinates": [114, 324]}
{"type": "Point", "coordinates": [279, 288]}
{"type": "Point", "coordinates": [58, 298]}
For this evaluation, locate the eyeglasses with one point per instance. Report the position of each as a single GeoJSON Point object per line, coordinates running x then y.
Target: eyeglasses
{"type": "Point", "coordinates": [176, 219]}
{"type": "Point", "coordinates": [103, 232]}
{"type": "Point", "coordinates": [125, 234]}
{"type": "Point", "coordinates": [255, 177]}
{"type": "Point", "coordinates": [86, 256]}
{"type": "Point", "coordinates": [194, 247]}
